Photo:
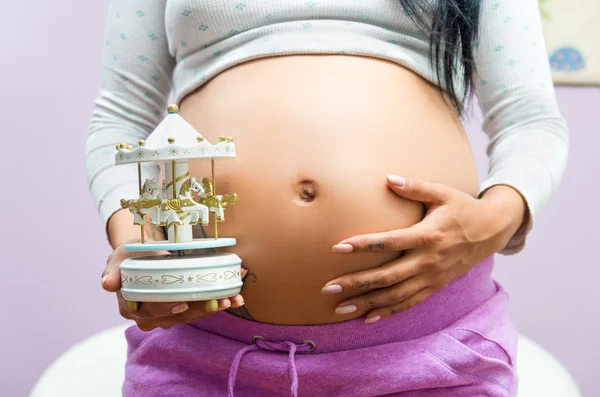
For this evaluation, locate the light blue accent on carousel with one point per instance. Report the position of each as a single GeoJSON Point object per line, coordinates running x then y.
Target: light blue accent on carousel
{"type": "Point", "coordinates": [190, 245]}
{"type": "Point", "coordinates": [181, 291]}
{"type": "Point", "coordinates": [181, 267]}
{"type": "Point", "coordinates": [567, 59]}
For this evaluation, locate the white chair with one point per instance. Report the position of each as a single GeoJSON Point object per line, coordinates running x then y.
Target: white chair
{"type": "Point", "coordinates": [94, 368]}
{"type": "Point", "coordinates": [541, 374]}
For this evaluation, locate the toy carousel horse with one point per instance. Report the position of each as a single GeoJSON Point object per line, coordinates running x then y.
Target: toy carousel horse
{"type": "Point", "coordinates": [148, 203]}
{"type": "Point", "coordinates": [166, 211]}
{"type": "Point", "coordinates": [216, 203]}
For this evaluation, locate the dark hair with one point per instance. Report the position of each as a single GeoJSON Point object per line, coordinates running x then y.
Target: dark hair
{"type": "Point", "coordinates": [453, 27]}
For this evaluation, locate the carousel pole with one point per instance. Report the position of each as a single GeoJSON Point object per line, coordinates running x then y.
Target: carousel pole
{"type": "Point", "coordinates": [140, 188]}
{"type": "Point", "coordinates": [214, 188]}
{"type": "Point", "coordinates": [139, 167]}
{"type": "Point", "coordinates": [174, 196]}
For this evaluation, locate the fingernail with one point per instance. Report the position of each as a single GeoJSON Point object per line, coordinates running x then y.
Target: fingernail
{"type": "Point", "coordinates": [103, 279]}
{"type": "Point", "coordinates": [226, 304]}
{"type": "Point", "coordinates": [239, 300]}
{"type": "Point", "coordinates": [180, 308]}
{"type": "Point", "coordinates": [396, 180]}
{"type": "Point", "coordinates": [332, 289]}
{"type": "Point", "coordinates": [372, 319]}
{"type": "Point", "coordinates": [244, 272]}
{"type": "Point", "coordinates": [211, 306]}
{"type": "Point", "coordinates": [342, 248]}
{"type": "Point", "coordinates": [346, 309]}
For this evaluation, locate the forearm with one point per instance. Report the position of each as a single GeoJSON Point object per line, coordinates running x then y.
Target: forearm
{"type": "Point", "coordinates": [528, 137]}
{"type": "Point", "coordinates": [133, 96]}
{"type": "Point", "coordinates": [121, 230]}
{"type": "Point", "coordinates": [510, 207]}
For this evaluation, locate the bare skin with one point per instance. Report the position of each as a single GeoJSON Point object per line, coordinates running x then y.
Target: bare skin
{"type": "Point", "coordinates": [316, 137]}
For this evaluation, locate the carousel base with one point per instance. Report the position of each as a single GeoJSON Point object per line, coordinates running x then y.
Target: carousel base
{"type": "Point", "coordinates": [182, 296]}
{"type": "Point", "coordinates": [165, 245]}
{"type": "Point", "coordinates": [170, 278]}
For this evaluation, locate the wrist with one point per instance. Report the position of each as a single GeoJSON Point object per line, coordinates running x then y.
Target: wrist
{"type": "Point", "coordinates": [509, 205]}
{"type": "Point", "coordinates": [121, 230]}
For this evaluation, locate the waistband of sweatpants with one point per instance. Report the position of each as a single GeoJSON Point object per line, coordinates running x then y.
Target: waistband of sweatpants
{"type": "Point", "coordinates": [435, 313]}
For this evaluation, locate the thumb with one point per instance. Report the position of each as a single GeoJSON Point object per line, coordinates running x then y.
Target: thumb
{"type": "Point", "coordinates": [412, 189]}
{"type": "Point", "coordinates": [111, 276]}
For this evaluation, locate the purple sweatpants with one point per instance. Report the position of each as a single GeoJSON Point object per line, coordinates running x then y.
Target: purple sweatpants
{"type": "Point", "coordinates": [459, 342]}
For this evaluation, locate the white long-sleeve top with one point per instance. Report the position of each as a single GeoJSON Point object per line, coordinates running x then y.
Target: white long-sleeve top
{"type": "Point", "coordinates": [155, 48]}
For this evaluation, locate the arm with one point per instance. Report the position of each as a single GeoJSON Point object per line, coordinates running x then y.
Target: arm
{"type": "Point", "coordinates": [136, 80]}
{"type": "Point", "coordinates": [121, 230]}
{"type": "Point", "coordinates": [528, 137]}
{"type": "Point", "coordinates": [528, 151]}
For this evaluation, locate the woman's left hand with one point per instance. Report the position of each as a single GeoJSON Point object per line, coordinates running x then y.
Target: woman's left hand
{"type": "Point", "coordinates": [457, 232]}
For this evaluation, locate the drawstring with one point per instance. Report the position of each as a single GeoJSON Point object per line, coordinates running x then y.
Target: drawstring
{"type": "Point", "coordinates": [260, 344]}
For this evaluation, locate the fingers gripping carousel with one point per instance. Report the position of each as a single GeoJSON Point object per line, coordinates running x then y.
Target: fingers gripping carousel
{"type": "Point", "coordinates": [183, 202]}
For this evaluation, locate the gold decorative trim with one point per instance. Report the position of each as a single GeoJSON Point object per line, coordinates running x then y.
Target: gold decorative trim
{"type": "Point", "coordinates": [185, 186]}
{"type": "Point", "coordinates": [139, 170]}
{"type": "Point", "coordinates": [168, 279]}
{"type": "Point", "coordinates": [210, 277]}
{"type": "Point", "coordinates": [177, 180]}
{"type": "Point", "coordinates": [171, 204]}
{"type": "Point", "coordinates": [174, 224]}
{"type": "Point", "coordinates": [146, 280]}
{"type": "Point", "coordinates": [214, 189]}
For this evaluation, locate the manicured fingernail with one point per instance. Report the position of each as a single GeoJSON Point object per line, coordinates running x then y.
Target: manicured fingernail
{"type": "Point", "coordinates": [180, 308]}
{"type": "Point", "coordinates": [342, 248]}
{"type": "Point", "coordinates": [225, 304]}
{"type": "Point", "coordinates": [346, 309]}
{"type": "Point", "coordinates": [396, 180]}
{"type": "Point", "coordinates": [238, 300]}
{"type": "Point", "coordinates": [104, 279]}
{"type": "Point", "coordinates": [211, 306]}
{"type": "Point", "coordinates": [244, 272]}
{"type": "Point", "coordinates": [372, 319]}
{"type": "Point", "coordinates": [332, 289]}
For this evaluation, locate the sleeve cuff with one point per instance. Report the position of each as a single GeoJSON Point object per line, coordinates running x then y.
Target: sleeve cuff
{"type": "Point", "coordinates": [531, 178]}
{"type": "Point", "coordinates": [116, 183]}
{"type": "Point", "coordinates": [110, 202]}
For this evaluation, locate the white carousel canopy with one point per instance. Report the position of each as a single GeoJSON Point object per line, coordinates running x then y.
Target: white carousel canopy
{"type": "Point", "coordinates": [174, 139]}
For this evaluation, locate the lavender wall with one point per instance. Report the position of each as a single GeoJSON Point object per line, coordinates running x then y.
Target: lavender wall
{"type": "Point", "coordinates": [54, 244]}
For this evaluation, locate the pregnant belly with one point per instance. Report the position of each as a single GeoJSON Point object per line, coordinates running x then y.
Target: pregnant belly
{"type": "Point", "coordinates": [315, 138]}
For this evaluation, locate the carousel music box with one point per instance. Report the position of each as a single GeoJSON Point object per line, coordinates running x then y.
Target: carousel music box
{"type": "Point", "coordinates": [178, 204]}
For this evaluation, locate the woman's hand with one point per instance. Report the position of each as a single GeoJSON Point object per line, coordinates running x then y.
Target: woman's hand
{"type": "Point", "coordinates": [152, 315]}
{"type": "Point", "coordinates": [457, 232]}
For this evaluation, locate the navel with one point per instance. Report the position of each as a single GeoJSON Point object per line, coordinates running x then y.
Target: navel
{"type": "Point", "coordinates": [307, 190]}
